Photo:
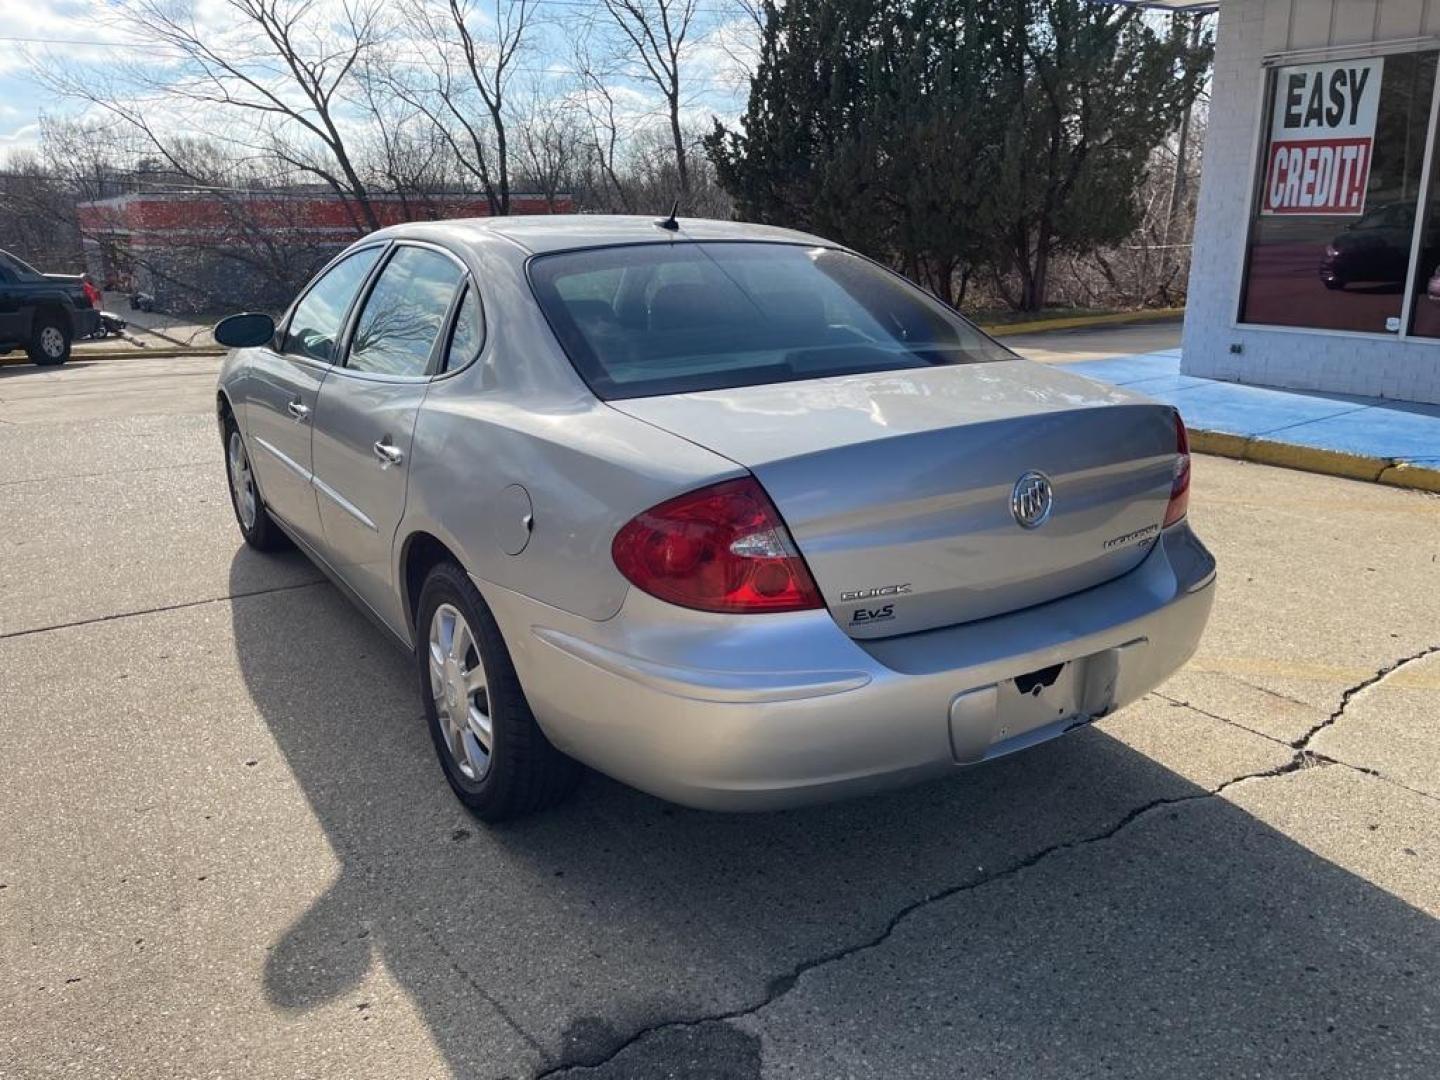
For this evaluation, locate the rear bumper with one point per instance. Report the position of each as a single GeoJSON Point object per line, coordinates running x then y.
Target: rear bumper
{"type": "Point", "coordinates": [762, 712]}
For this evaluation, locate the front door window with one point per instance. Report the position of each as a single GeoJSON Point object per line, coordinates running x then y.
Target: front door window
{"type": "Point", "coordinates": [315, 327]}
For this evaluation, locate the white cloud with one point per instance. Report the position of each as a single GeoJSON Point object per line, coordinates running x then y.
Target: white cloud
{"type": "Point", "coordinates": [21, 140]}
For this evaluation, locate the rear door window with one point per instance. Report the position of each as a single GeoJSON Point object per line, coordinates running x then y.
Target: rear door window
{"type": "Point", "coordinates": [645, 320]}
{"type": "Point", "coordinates": [404, 314]}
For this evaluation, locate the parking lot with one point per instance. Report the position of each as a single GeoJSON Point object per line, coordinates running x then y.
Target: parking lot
{"type": "Point", "coordinates": [228, 850]}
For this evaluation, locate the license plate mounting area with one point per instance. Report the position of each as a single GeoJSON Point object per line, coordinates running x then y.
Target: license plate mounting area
{"type": "Point", "coordinates": [1039, 704]}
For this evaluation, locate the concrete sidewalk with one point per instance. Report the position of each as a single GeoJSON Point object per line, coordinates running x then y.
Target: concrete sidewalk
{"type": "Point", "coordinates": [1392, 442]}
{"type": "Point", "coordinates": [155, 329]}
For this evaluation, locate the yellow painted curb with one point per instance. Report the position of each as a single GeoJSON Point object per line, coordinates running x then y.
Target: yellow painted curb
{"type": "Point", "coordinates": [1075, 322]}
{"type": "Point", "coordinates": [156, 353]}
{"type": "Point", "coordinates": [1316, 460]}
{"type": "Point", "coordinates": [1219, 443]}
{"type": "Point", "coordinates": [1415, 477]}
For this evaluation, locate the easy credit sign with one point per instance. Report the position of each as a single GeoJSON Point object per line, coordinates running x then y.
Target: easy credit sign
{"type": "Point", "coordinates": [1322, 136]}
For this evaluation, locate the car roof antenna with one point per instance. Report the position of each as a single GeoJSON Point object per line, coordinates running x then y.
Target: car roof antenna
{"type": "Point", "coordinates": [669, 223]}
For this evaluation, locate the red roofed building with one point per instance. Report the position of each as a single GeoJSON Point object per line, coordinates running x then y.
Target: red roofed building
{"type": "Point", "coordinates": [189, 251]}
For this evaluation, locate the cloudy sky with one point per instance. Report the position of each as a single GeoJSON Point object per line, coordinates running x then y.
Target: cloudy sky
{"type": "Point", "coordinates": [93, 36]}
{"type": "Point", "coordinates": [27, 30]}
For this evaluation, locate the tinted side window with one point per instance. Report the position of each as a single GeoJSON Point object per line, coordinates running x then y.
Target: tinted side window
{"type": "Point", "coordinates": [315, 326]}
{"type": "Point", "coordinates": [469, 331]}
{"type": "Point", "coordinates": [19, 269]}
{"type": "Point", "coordinates": [404, 313]}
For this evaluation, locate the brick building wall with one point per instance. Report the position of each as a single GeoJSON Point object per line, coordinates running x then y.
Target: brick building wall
{"type": "Point", "coordinates": [205, 253]}
{"type": "Point", "coordinates": [1341, 362]}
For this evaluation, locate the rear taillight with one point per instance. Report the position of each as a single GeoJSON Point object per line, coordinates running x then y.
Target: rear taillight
{"type": "Point", "coordinates": [1180, 486]}
{"type": "Point", "coordinates": [721, 548]}
{"type": "Point", "coordinates": [91, 293]}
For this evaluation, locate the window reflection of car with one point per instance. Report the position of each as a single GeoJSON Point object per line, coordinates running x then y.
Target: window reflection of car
{"type": "Point", "coordinates": [1432, 287]}
{"type": "Point", "coordinates": [1374, 249]}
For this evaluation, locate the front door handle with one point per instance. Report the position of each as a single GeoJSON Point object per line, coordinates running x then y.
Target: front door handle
{"type": "Point", "coordinates": [299, 410]}
{"type": "Point", "coordinates": [388, 452]}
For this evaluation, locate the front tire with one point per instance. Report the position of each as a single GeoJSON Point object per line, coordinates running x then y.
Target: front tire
{"type": "Point", "coordinates": [496, 759]}
{"type": "Point", "coordinates": [49, 340]}
{"type": "Point", "coordinates": [256, 525]}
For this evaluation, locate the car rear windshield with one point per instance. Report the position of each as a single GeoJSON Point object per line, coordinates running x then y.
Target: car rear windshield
{"type": "Point", "coordinates": [651, 319]}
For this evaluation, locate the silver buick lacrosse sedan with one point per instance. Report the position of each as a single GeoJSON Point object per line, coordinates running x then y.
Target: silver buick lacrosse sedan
{"type": "Point", "coordinates": [727, 512]}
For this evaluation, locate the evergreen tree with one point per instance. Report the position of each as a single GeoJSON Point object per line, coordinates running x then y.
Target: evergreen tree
{"type": "Point", "coordinates": [1089, 91]}
{"type": "Point", "coordinates": [942, 135]}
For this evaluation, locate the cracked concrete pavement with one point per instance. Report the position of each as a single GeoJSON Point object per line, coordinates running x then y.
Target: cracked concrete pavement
{"type": "Point", "coordinates": [229, 851]}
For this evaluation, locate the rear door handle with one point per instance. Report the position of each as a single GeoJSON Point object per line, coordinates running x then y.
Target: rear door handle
{"type": "Point", "coordinates": [299, 410]}
{"type": "Point", "coordinates": [388, 453]}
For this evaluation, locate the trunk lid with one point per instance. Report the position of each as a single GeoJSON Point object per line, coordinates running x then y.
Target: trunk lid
{"type": "Point", "coordinates": [897, 487]}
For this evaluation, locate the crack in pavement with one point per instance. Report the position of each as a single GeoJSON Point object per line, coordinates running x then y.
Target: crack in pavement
{"type": "Point", "coordinates": [112, 472]}
{"type": "Point", "coordinates": [1360, 687]}
{"type": "Point", "coordinates": [778, 987]}
{"type": "Point", "coordinates": [1375, 774]}
{"type": "Point", "coordinates": [160, 610]}
{"type": "Point", "coordinates": [1178, 703]}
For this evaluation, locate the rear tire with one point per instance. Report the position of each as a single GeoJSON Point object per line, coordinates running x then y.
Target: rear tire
{"type": "Point", "coordinates": [464, 671]}
{"type": "Point", "coordinates": [256, 525]}
{"type": "Point", "coordinates": [49, 339]}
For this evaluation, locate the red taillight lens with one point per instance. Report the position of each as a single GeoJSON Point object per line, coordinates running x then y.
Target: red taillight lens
{"type": "Point", "coordinates": [721, 548]}
{"type": "Point", "coordinates": [91, 293]}
{"type": "Point", "coordinates": [1180, 487]}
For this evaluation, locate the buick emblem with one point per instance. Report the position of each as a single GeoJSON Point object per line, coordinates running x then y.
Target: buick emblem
{"type": "Point", "coordinates": [1031, 500]}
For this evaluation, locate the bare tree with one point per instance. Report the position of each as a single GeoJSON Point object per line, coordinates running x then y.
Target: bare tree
{"type": "Point", "coordinates": [653, 35]}
{"type": "Point", "coordinates": [280, 71]}
{"type": "Point", "coordinates": [741, 40]}
{"type": "Point", "coordinates": [37, 214]}
{"type": "Point", "coordinates": [551, 143]}
{"type": "Point", "coordinates": [463, 73]}
{"type": "Point", "coordinates": [403, 147]}
{"type": "Point", "coordinates": [604, 137]}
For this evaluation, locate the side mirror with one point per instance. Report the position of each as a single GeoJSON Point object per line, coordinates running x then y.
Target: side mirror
{"type": "Point", "coordinates": [244, 331]}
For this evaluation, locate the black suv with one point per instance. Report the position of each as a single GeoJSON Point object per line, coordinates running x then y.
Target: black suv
{"type": "Point", "coordinates": [42, 313]}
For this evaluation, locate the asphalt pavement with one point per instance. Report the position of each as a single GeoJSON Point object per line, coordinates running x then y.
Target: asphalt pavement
{"type": "Point", "coordinates": [228, 851]}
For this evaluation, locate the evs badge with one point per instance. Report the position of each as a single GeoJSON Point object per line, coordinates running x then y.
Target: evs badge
{"type": "Point", "coordinates": [1322, 135]}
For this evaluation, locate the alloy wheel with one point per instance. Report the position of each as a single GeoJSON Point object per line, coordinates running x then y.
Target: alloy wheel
{"type": "Point", "coordinates": [242, 483]}
{"type": "Point", "coordinates": [462, 699]}
{"type": "Point", "coordinates": [52, 342]}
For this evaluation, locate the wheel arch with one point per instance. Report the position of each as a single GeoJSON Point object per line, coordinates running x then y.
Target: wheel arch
{"type": "Point", "coordinates": [420, 553]}
{"type": "Point", "coordinates": [49, 306]}
{"type": "Point", "coordinates": [225, 410]}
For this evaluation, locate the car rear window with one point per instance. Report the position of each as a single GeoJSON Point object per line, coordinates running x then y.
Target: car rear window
{"type": "Point", "coordinates": [651, 319]}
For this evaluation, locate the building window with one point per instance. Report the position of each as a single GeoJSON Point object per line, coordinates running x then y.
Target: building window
{"type": "Point", "coordinates": [1339, 186]}
{"type": "Point", "coordinates": [1425, 317]}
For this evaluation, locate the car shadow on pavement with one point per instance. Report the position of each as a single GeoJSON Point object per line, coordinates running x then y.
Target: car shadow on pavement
{"type": "Point", "coordinates": [1031, 922]}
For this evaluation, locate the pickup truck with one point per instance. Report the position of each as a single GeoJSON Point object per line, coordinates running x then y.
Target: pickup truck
{"type": "Point", "coordinates": [43, 313]}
